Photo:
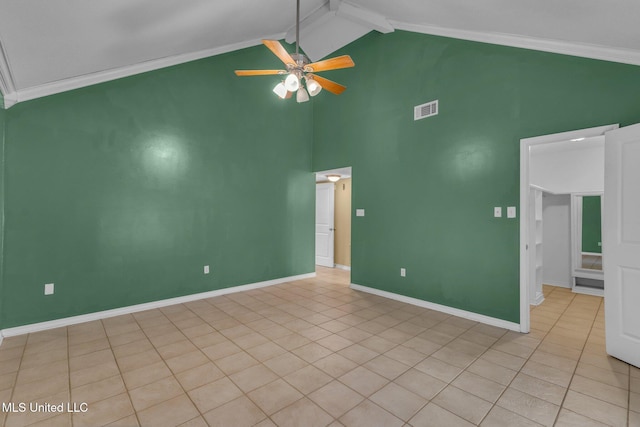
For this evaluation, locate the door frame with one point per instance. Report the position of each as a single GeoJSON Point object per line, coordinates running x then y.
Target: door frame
{"type": "Point", "coordinates": [525, 145]}
{"type": "Point", "coordinates": [330, 186]}
{"type": "Point", "coordinates": [344, 172]}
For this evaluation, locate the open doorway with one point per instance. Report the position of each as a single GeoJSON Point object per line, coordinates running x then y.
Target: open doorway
{"type": "Point", "coordinates": [333, 218]}
{"type": "Point", "coordinates": [569, 163]}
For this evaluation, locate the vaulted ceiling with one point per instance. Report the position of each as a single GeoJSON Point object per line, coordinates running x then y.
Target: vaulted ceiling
{"type": "Point", "coordinates": [49, 46]}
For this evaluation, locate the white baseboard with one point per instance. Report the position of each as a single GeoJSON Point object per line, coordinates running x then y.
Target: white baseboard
{"type": "Point", "coordinates": [442, 308]}
{"type": "Point", "coordinates": [557, 283]}
{"type": "Point", "coordinates": [539, 299]}
{"type": "Point", "coordinates": [74, 320]}
{"type": "Point", "coordinates": [343, 267]}
{"type": "Point", "coordinates": [588, 291]}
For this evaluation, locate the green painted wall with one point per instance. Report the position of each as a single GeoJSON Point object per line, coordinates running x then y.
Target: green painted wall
{"type": "Point", "coordinates": [120, 193]}
{"type": "Point", "coordinates": [428, 187]}
{"type": "Point", "coordinates": [591, 224]}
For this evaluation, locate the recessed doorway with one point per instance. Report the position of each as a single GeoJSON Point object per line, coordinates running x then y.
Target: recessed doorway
{"type": "Point", "coordinates": [333, 218]}
{"type": "Point", "coordinates": [557, 164]}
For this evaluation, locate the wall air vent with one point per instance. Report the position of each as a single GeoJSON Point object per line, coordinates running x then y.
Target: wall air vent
{"type": "Point", "coordinates": [425, 110]}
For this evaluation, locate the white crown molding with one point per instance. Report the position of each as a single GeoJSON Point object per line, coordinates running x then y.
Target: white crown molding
{"type": "Point", "coordinates": [624, 56]}
{"type": "Point", "coordinates": [7, 86]}
{"type": "Point", "coordinates": [12, 95]}
{"type": "Point", "coordinates": [441, 308]}
{"type": "Point", "coordinates": [74, 320]}
{"type": "Point", "coordinates": [365, 17]}
{"type": "Point", "coordinates": [10, 100]}
{"type": "Point", "coordinates": [118, 73]}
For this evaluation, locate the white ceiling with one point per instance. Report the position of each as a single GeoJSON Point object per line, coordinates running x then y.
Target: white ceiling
{"type": "Point", "coordinates": [344, 173]}
{"type": "Point", "coordinates": [48, 46]}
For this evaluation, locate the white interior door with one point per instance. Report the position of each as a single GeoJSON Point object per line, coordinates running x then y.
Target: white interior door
{"type": "Point", "coordinates": [621, 241]}
{"type": "Point", "coordinates": [324, 223]}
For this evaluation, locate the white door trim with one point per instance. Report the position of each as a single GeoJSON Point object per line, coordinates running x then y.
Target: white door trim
{"type": "Point", "coordinates": [525, 144]}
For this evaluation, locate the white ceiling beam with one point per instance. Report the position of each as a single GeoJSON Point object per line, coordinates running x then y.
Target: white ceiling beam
{"type": "Point", "coordinates": [316, 19]}
{"type": "Point", "coordinates": [365, 17]}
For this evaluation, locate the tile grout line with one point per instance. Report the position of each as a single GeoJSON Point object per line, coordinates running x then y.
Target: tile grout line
{"type": "Point", "coordinates": [15, 382]}
{"type": "Point", "coordinates": [450, 383]}
{"type": "Point", "coordinates": [69, 371]}
{"type": "Point", "coordinates": [578, 361]}
{"type": "Point", "coordinates": [268, 417]}
{"type": "Point", "coordinates": [135, 412]}
{"type": "Point", "coordinates": [173, 374]}
{"type": "Point", "coordinates": [527, 360]}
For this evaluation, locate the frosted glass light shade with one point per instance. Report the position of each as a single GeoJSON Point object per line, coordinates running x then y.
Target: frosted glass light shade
{"type": "Point", "coordinates": [302, 95]}
{"type": "Point", "coordinates": [313, 87]}
{"type": "Point", "coordinates": [292, 83]}
{"type": "Point", "coordinates": [280, 90]}
{"type": "Point", "coordinates": [333, 178]}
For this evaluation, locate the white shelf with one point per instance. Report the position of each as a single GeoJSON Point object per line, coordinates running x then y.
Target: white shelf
{"type": "Point", "coordinates": [535, 230]}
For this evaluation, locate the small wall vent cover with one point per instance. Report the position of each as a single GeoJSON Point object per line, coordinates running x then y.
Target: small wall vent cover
{"type": "Point", "coordinates": [425, 110]}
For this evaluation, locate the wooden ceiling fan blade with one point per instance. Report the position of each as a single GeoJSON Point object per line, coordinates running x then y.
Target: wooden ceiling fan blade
{"type": "Point", "coordinates": [278, 50]}
{"type": "Point", "coordinates": [329, 85]}
{"type": "Point", "coordinates": [336, 63]}
{"type": "Point", "coordinates": [259, 72]}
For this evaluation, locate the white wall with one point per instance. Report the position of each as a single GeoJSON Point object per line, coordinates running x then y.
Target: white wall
{"type": "Point", "coordinates": [569, 167]}
{"type": "Point", "coordinates": [556, 237]}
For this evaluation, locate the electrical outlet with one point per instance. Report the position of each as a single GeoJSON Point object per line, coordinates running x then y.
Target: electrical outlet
{"type": "Point", "coordinates": [403, 272]}
{"type": "Point", "coordinates": [359, 212]}
{"type": "Point", "coordinates": [497, 212]}
{"type": "Point", "coordinates": [599, 243]}
{"type": "Point", "coordinates": [48, 289]}
{"type": "Point", "coordinates": [206, 269]}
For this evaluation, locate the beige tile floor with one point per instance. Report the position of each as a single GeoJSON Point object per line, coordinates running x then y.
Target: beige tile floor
{"type": "Point", "coordinates": [315, 353]}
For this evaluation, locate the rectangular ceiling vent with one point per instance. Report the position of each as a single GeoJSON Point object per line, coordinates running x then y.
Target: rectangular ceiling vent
{"type": "Point", "coordinates": [425, 110]}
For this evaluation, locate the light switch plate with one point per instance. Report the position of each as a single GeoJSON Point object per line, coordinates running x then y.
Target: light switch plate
{"type": "Point", "coordinates": [48, 289]}
{"type": "Point", "coordinates": [206, 269]}
{"type": "Point", "coordinates": [511, 212]}
{"type": "Point", "coordinates": [497, 212]}
{"type": "Point", "coordinates": [403, 272]}
{"type": "Point", "coordinates": [359, 212]}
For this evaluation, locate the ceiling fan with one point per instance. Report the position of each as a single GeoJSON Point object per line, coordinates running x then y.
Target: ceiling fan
{"type": "Point", "coordinates": [299, 68]}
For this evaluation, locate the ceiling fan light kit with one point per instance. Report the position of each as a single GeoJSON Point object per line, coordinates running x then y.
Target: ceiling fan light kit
{"type": "Point", "coordinates": [312, 86]}
{"type": "Point", "coordinates": [302, 95]}
{"type": "Point", "coordinates": [280, 90]}
{"type": "Point", "coordinates": [299, 69]}
{"type": "Point", "coordinates": [292, 82]}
